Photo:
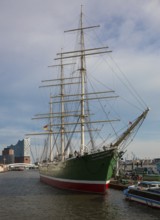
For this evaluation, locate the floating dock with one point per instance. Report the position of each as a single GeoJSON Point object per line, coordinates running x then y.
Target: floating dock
{"type": "Point", "coordinates": [121, 185]}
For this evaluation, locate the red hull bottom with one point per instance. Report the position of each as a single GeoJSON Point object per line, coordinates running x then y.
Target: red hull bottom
{"type": "Point", "coordinates": [76, 186]}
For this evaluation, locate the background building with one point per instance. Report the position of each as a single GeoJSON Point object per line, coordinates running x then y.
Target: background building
{"type": "Point", "coordinates": [7, 156]}
{"type": "Point", "coordinates": [19, 153]}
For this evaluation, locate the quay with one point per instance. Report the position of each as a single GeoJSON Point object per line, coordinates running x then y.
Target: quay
{"type": "Point", "coordinates": [122, 184]}
{"type": "Point", "coordinates": [3, 168]}
{"type": "Point", "coordinates": [133, 171]}
{"type": "Point", "coordinates": [17, 167]}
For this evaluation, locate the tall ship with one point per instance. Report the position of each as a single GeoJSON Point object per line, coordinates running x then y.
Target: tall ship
{"type": "Point", "coordinates": [80, 153]}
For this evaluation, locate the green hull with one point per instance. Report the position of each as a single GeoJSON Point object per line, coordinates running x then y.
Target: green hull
{"type": "Point", "coordinates": [86, 173]}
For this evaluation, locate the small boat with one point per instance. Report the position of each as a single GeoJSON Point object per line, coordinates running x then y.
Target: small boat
{"type": "Point", "coordinates": [145, 192]}
{"type": "Point", "coordinates": [151, 177]}
{"type": "Point", "coordinates": [18, 168]}
{"type": "Point", "coordinates": [147, 173]}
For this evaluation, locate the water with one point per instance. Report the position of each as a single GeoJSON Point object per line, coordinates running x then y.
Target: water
{"type": "Point", "coordinates": [23, 196]}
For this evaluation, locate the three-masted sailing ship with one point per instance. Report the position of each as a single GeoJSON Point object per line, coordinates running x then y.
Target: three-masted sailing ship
{"type": "Point", "coordinates": [77, 157]}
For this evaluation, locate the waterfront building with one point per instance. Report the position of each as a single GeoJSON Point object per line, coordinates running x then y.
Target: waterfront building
{"type": "Point", "coordinates": [18, 153]}
{"type": "Point", "coordinates": [157, 160]}
{"type": "Point", "coordinates": [7, 156]}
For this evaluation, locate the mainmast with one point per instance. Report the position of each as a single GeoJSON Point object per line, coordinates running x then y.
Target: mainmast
{"type": "Point", "coordinates": [82, 53]}
{"type": "Point", "coordinates": [82, 75]}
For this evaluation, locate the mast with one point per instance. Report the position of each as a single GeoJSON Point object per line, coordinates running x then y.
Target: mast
{"type": "Point", "coordinates": [82, 53]}
{"type": "Point", "coordinates": [50, 135]}
{"type": "Point", "coordinates": [82, 75]}
{"type": "Point", "coordinates": [62, 110]}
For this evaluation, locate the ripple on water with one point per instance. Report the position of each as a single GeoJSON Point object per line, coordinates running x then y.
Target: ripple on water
{"type": "Point", "coordinates": [23, 196]}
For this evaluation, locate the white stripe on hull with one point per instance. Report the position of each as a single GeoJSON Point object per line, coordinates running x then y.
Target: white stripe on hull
{"type": "Point", "coordinates": [75, 181]}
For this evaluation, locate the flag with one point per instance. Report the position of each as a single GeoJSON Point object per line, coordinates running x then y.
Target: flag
{"type": "Point", "coordinates": [45, 127]}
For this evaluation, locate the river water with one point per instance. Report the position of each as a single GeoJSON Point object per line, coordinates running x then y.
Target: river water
{"type": "Point", "coordinates": [23, 196]}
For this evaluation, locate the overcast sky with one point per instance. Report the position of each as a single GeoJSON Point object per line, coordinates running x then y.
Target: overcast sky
{"type": "Point", "coordinates": [31, 33]}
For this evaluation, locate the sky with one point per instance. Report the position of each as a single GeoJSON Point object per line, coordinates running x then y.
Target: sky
{"type": "Point", "coordinates": [31, 33]}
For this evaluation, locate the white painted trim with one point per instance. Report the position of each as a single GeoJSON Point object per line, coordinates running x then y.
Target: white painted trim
{"type": "Point", "coordinates": [75, 181]}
